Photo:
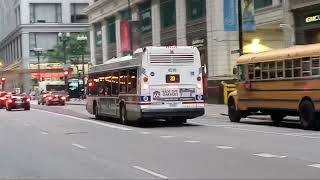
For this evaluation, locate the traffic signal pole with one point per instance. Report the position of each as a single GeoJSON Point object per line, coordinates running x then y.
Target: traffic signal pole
{"type": "Point", "coordinates": [240, 27]}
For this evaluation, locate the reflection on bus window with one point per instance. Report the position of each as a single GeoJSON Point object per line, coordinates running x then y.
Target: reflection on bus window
{"type": "Point", "coordinates": [115, 83]}
{"type": "Point", "coordinates": [123, 81]}
{"type": "Point", "coordinates": [132, 81]}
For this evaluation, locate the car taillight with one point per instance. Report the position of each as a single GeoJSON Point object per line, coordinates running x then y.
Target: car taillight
{"type": "Point", "coordinates": [56, 96]}
{"type": "Point", "coordinates": [3, 98]}
{"type": "Point", "coordinates": [50, 98]}
{"type": "Point", "coordinates": [63, 98]}
{"type": "Point", "coordinates": [28, 100]}
{"type": "Point", "coordinates": [10, 101]}
{"type": "Point", "coordinates": [44, 96]}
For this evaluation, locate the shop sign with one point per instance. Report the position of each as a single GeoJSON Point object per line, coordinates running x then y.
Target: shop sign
{"type": "Point", "coordinates": [311, 19]}
{"type": "Point", "coordinates": [198, 43]}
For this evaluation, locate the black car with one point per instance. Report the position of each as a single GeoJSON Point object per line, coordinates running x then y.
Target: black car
{"type": "Point", "coordinates": [18, 102]}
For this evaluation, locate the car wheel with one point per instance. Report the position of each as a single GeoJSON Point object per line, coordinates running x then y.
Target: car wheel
{"type": "Point", "coordinates": [277, 118]}
{"type": "Point", "coordinates": [27, 108]}
{"type": "Point", "coordinates": [123, 115]}
{"type": "Point", "coordinates": [39, 102]}
{"type": "Point", "coordinates": [233, 113]}
{"type": "Point", "coordinates": [307, 115]}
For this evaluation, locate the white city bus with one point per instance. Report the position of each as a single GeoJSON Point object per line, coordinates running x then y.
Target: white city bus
{"type": "Point", "coordinates": [154, 83]}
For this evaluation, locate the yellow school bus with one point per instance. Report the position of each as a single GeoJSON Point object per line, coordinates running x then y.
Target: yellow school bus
{"type": "Point", "coordinates": [279, 83]}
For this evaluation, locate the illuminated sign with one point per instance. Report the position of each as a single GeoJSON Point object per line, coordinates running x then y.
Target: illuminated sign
{"type": "Point", "coordinates": [311, 19]}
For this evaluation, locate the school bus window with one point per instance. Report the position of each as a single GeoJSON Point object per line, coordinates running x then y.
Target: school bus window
{"type": "Point", "coordinates": [306, 67]}
{"type": "Point", "coordinates": [242, 73]}
{"type": "Point", "coordinates": [272, 70]}
{"type": "Point", "coordinates": [280, 69]}
{"type": "Point", "coordinates": [265, 70]}
{"type": "Point", "coordinates": [297, 68]}
{"type": "Point", "coordinates": [288, 68]}
{"type": "Point", "coordinates": [257, 71]}
{"type": "Point", "coordinates": [315, 66]}
{"type": "Point", "coordinates": [251, 71]}
{"type": "Point", "coordinates": [297, 63]}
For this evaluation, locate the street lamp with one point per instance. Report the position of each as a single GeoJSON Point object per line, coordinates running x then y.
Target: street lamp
{"type": "Point", "coordinates": [287, 26]}
{"type": "Point", "coordinates": [64, 38]}
{"type": "Point", "coordinates": [83, 39]}
{"type": "Point", "coordinates": [38, 52]}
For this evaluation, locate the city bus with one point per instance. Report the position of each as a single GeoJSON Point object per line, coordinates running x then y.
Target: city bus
{"type": "Point", "coordinates": [279, 83]}
{"type": "Point", "coordinates": [154, 83]}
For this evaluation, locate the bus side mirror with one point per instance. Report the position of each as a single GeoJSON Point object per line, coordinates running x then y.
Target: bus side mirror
{"type": "Point", "coordinates": [235, 71]}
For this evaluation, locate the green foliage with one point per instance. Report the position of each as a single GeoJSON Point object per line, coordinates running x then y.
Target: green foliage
{"type": "Point", "coordinates": [73, 48]}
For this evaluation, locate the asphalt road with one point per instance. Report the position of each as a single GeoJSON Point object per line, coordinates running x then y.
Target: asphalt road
{"type": "Point", "coordinates": [67, 143]}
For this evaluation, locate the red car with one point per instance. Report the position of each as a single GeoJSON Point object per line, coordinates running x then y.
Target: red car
{"type": "Point", "coordinates": [18, 102]}
{"type": "Point", "coordinates": [3, 99]}
{"type": "Point", "coordinates": [55, 99]}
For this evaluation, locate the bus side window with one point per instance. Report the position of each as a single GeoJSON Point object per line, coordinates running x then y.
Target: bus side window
{"type": "Point", "coordinates": [315, 66]}
{"type": "Point", "coordinates": [108, 84]}
{"type": "Point", "coordinates": [132, 81]}
{"type": "Point", "coordinates": [280, 69]}
{"type": "Point", "coordinates": [250, 72]}
{"type": "Point", "coordinates": [257, 71]}
{"type": "Point", "coordinates": [115, 83]}
{"type": "Point", "coordinates": [123, 81]}
{"type": "Point", "coordinates": [288, 68]}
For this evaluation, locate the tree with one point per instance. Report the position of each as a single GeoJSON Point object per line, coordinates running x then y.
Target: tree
{"type": "Point", "coordinates": [74, 49]}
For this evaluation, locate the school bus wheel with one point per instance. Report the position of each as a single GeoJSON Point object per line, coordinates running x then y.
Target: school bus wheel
{"type": "Point", "coordinates": [233, 113]}
{"type": "Point", "coordinates": [307, 114]}
{"type": "Point", "coordinates": [277, 117]}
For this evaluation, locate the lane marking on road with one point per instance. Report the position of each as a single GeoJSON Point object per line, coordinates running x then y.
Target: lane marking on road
{"type": "Point", "coordinates": [314, 165]}
{"type": "Point", "coordinates": [218, 125]}
{"type": "Point", "coordinates": [44, 133]}
{"type": "Point", "coordinates": [166, 137]}
{"type": "Point", "coordinates": [224, 147]}
{"type": "Point", "coordinates": [79, 146]}
{"type": "Point", "coordinates": [151, 172]}
{"type": "Point", "coordinates": [191, 141]}
{"type": "Point", "coordinates": [275, 133]}
{"type": "Point", "coordinates": [145, 133]}
{"type": "Point", "coordinates": [266, 155]}
{"type": "Point", "coordinates": [88, 121]}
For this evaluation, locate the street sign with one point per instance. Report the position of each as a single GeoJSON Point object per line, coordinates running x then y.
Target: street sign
{"type": "Point", "coordinates": [235, 51]}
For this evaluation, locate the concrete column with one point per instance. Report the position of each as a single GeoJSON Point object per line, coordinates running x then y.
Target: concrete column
{"type": "Point", "coordinates": [181, 16]}
{"type": "Point", "coordinates": [288, 29]}
{"type": "Point", "coordinates": [92, 45]}
{"type": "Point", "coordinates": [25, 12]}
{"type": "Point", "coordinates": [118, 40]}
{"type": "Point", "coordinates": [220, 43]}
{"type": "Point", "coordinates": [66, 12]}
{"type": "Point", "coordinates": [26, 78]}
{"type": "Point", "coordinates": [156, 26]}
{"type": "Point", "coordinates": [104, 41]}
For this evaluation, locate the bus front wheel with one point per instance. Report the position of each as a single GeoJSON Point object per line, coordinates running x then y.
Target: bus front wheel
{"type": "Point", "coordinates": [233, 113]}
{"type": "Point", "coordinates": [307, 115]}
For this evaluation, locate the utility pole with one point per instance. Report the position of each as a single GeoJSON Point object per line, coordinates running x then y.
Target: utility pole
{"type": "Point", "coordinates": [240, 27]}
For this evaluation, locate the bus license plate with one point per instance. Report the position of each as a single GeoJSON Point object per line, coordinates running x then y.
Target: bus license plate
{"type": "Point", "coordinates": [170, 93]}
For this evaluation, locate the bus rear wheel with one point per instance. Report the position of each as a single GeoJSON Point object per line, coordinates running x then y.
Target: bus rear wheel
{"type": "Point", "coordinates": [233, 113]}
{"type": "Point", "coordinates": [123, 114]}
{"type": "Point", "coordinates": [307, 115]}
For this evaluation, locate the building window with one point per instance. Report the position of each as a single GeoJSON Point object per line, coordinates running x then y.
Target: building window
{"type": "Point", "coordinates": [167, 13]}
{"type": "Point", "coordinates": [111, 30]}
{"type": "Point", "coordinates": [145, 16]}
{"type": "Point", "coordinates": [196, 9]}
{"type": "Point", "coordinates": [77, 13]}
{"type": "Point", "coordinates": [262, 3]}
{"type": "Point", "coordinates": [45, 13]}
{"type": "Point", "coordinates": [98, 35]}
{"type": "Point", "coordinates": [46, 41]}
